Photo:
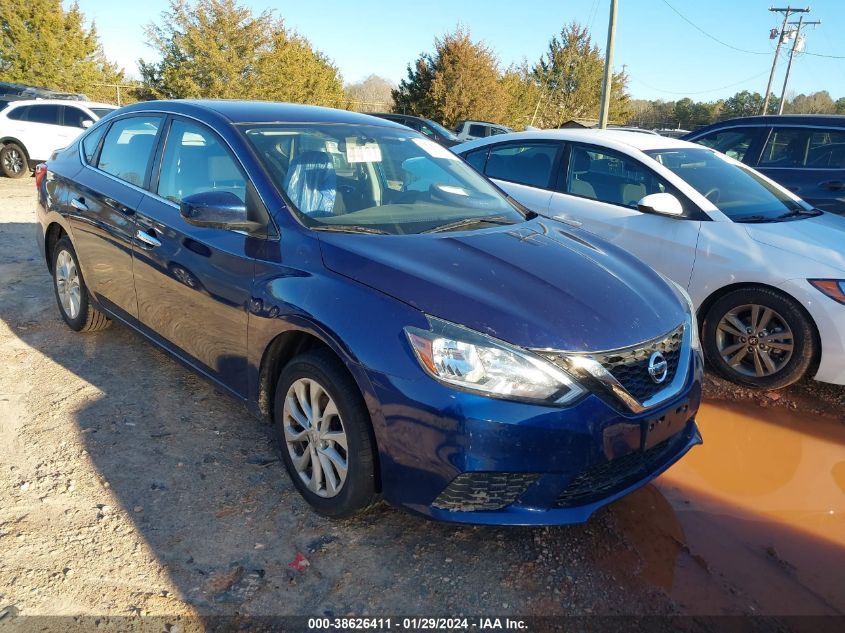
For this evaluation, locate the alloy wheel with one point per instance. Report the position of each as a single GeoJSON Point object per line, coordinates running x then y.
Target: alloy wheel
{"type": "Point", "coordinates": [13, 161]}
{"type": "Point", "coordinates": [67, 284]}
{"type": "Point", "coordinates": [754, 340]}
{"type": "Point", "coordinates": [315, 437]}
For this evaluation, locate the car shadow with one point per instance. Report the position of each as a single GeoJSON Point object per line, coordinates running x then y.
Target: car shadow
{"type": "Point", "coordinates": [202, 485]}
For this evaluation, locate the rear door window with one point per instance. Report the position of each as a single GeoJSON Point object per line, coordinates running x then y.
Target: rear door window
{"type": "Point", "coordinates": [128, 148]}
{"type": "Point", "coordinates": [478, 130]}
{"type": "Point", "coordinates": [19, 114]}
{"type": "Point", "coordinates": [735, 142]}
{"type": "Point", "coordinates": [49, 114]}
{"type": "Point", "coordinates": [524, 163]}
{"type": "Point", "coordinates": [786, 147]}
{"type": "Point", "coordinates": [826, 149]}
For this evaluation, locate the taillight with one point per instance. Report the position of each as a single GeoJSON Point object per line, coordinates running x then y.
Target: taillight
{"type": "Point", "coordinates": [40, 173]}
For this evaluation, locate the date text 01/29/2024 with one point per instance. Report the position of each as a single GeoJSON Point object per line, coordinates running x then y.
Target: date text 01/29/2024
{"type": "Point", "coordinates": [417, 624]}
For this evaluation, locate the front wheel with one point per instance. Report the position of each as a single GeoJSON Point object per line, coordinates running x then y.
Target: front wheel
{"type": "Point", "coordinates": [759, 338]}
{"type": "Point", "coordinates": [13, 161]}
{"type": "Point", "coordinates": [71, 293]}
{"type": "Point", "coordinates": [325, 435]}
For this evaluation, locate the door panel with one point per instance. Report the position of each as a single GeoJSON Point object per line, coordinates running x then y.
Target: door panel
{"type": "Point", "coordinates": [194, 283]}
{"type": "Point", "coordinates": [101, 213]}
{"type": "Point", "coordinates": [194, 289]}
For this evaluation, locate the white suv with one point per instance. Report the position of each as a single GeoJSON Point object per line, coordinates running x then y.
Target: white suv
{"type": "Point", "coordinates": [468, 130]}
{"type": "Point", "coordinates": [31, 129]}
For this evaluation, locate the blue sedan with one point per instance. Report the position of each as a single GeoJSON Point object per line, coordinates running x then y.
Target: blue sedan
{"type": "Point", "coordinates": [412, 332]}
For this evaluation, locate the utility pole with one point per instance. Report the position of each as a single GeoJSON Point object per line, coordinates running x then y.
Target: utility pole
{"type": "Point", "coordinates": [604, 107]}
{"type": "Point", "coordinates": [787, 11]}
{"type": "Point", "coordinates": [795, 43]}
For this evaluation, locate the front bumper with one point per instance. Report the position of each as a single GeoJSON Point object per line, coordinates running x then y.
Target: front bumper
{"type": "Point", "coordinates": [829, 317]}
{"type": "Point", "coordinates": [454, 456]}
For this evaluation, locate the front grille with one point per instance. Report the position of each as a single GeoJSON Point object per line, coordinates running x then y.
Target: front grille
{"type": "Point", "coordinates": [470, 492]}
{"type": "Point", "coordinates": [603, 480]}
{"type": "Point", "coordinates": [630, 366]}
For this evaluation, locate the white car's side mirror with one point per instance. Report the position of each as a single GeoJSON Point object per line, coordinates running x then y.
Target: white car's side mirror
{"type": "Point", "coordinates": [87, 123]}
{"type": "Point", "coordinates": [661, 204]}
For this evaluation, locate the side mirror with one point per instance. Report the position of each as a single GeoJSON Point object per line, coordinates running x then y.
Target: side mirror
{"type": "Point", "coordinates": [219, 210]}
{"type": "Point", "coordinates": [87, 123]}
{"type": "Point", "coordinates": [661, 204]}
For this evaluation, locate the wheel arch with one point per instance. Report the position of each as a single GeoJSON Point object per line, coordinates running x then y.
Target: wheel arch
{"type": "Point", "coordinates": [708, 302]}
{"type": "Point", "coordinates": [284, 347]}
{"type": "Point", "coordinates": [11, 139]}
{"type": "Point", "coordinates": [52, 235]}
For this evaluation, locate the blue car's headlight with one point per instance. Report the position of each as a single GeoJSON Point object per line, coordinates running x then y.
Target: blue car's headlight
{"type": "Point", "coordinates": [473, 361]}
{"type": "Point", "coordinates": [682, 293]}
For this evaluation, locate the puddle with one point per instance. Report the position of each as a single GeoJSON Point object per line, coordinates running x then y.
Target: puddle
{"type": "Point", "coordinates": [753, 521]}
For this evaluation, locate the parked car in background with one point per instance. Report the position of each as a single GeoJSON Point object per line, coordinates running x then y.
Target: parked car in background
{"type": "Point", "coordinates": [803, 152]}
{"type": "Point", "coordinates": [31, 129]}
{"type": "Point", "coordinates": [467, 130]}
{"type": "Point", "coordinates": [438, 345]}
{"type": "Point", "coordinates": [427, 127]}
{"type": "Point", "coordinates": [765, 269]}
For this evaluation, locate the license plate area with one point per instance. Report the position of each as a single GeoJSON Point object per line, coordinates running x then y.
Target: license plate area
{"type": "Point", "coordinates": [662, 427]}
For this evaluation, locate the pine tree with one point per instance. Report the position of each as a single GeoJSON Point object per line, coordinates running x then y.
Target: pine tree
{"type": "Point", "coordinates": [460, 79]}
{"type": "Point", "coordinates": [220, 49]}
{"type": "Point", "coordinates": [44, 45]}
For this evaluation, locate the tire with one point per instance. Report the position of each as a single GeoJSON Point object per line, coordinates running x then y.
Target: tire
{"type": "Point", "coordinates": [71, 293]}
{"type": "Point", "coordinates": [13, 161]}
{"type": "Point", "coordinates": [357, 491]}
{"type": "Point", "coordinates": [759, 355]}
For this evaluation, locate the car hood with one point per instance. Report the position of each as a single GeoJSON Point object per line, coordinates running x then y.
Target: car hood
{"type": "Point", "coordinates": [536, 284]}
{"type": "Point", "coordinates": [821, 239]}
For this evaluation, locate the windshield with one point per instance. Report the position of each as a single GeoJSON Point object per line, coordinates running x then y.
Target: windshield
{"type": "Point", "coordinates": [737, 191]}
{"type": "Point", "coordinates": [447, 134]}
{"type": "Point", "coordinates": [376, 179]}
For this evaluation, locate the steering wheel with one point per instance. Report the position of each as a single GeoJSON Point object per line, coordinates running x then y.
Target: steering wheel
{"type": "Point", "coordinates": [713, 195]}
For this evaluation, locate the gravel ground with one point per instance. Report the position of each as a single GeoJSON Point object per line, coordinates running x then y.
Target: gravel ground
{"type": "Point", "coordinates": [132, 487]}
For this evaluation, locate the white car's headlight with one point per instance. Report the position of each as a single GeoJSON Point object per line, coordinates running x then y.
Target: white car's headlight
{"type": "Point", "coordinates": [476, 362]}
{"type": "Point", "coordinates": [682, 292]}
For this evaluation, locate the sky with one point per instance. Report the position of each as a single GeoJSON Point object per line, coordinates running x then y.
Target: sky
{"type": "Point", "coordinates": [664, 55]}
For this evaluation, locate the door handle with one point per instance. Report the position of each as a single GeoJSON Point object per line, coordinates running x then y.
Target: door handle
{"type": "Point", "coordinates": [78, 204]}
{"type": "Point", "coordinates": [833, 185]}
{"type": "Point", "coordinates": [146, 238]}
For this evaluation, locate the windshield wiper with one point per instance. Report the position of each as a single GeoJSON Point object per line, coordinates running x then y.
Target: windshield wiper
{"type": "Point", "coordinates": [349, 228]}
{"type": "Point", "coordinates": [754, 219]}
{"type": "Point", "coordinates": [812, 213]}
{"type": "Point", "coordinates": [467, 222]}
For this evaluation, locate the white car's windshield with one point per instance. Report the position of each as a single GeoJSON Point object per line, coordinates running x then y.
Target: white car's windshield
{"type": "Point", "coordinates": [737, 191]}
{"type": "Point", "coordinates": [376, 179]}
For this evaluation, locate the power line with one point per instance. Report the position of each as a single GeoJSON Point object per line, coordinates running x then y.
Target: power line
{"type": "Point", "coordinates": [712, 37]}
{"type": "Point", "coordinates": [699, 92]}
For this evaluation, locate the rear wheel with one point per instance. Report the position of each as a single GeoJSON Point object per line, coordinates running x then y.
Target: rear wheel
{"type": "Point", "coordinates": [759, 338]}
{"type": "Point", "coordinates": [13, 161]}
{"type": "Point", "coordinates": [71, 293]}
{"type": "Point", "coordinates": [325, 435]}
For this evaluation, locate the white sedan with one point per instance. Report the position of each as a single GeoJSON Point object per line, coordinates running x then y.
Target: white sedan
{"type": "Point", "coordinates": [765, 269]}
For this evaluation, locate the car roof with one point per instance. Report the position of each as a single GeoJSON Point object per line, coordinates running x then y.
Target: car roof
{"type": "Point", "coordinates": [828, 120]}
{"type": "Point", "coordinates": [260, 112]}
{"type": "Point", "coordinates": [613, 139]}
{"type": "Point", "coordinates": [70, 102]}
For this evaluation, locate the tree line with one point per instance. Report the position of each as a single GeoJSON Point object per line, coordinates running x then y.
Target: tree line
{"type": "Point", "coordinates": [222, 49]}
{"type": "Point", "coordinates": [689, 115]}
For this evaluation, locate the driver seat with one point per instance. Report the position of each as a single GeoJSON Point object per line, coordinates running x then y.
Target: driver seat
{"type": "Point", "coordinates": [311, 183]}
